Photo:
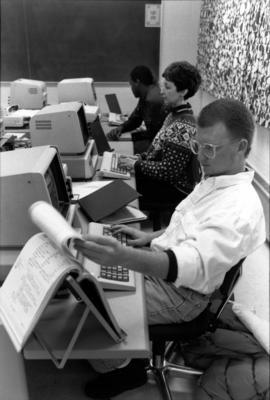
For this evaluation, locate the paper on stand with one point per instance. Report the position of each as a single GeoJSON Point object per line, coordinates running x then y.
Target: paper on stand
{"type": "Point", "coordinates": [51, 222]}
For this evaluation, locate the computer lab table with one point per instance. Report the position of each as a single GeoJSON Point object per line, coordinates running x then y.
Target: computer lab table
{"type": "Point", "coordinates": [93, 341]}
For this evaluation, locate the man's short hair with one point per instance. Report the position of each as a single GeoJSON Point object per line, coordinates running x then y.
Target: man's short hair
{"type": "Point", "coordinates": [184, 76]}
{"type": "Point", "coordinates": [234, 115]}
{"type": "Point", "coordinates": [142, 74]}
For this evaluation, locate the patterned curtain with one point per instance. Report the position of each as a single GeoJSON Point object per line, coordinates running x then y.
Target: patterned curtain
{"type": "Point", "coordinates": [234, 52]}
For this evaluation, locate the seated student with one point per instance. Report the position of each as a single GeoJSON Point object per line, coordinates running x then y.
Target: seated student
{"type": "Point", "coordinates": [150, 109]}
{"type": "Point", "coordinates": [164, 171]}
{"type": "Point", "coordinates": [218, 224]}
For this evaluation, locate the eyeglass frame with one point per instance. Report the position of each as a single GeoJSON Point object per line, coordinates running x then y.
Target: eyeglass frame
{"type": "Point", "coordinates": [213, 147]}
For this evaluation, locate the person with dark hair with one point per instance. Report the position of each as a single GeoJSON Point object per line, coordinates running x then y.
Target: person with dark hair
{"type": "Point", "coordinates": [217, 225]}
{"type": "Point", "coordinates": [167, 163]}
{"type": "Point", "coordinates": [150, 109]}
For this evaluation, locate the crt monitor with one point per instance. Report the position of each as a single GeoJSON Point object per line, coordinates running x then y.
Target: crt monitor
{"type": "Point", "coordinates": [28, 175]}
{"type": "Point", "coordinates": [63, 125]}
{"type": "Point", "coordinates": [28, 94]}
{"type": "Point", "coordinates": [77, 89]}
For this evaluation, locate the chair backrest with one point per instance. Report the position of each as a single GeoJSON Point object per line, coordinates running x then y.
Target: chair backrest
{"type": "Point", "coordinates": [194, 173]}
{"type": "Point", "coordinates": [225, 292]}
{"type": "Point", "coordinates": [195, 169]}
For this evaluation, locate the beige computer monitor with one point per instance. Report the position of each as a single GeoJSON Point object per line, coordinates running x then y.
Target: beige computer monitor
{"type": "Point", "coordinates": [63, 125]}
{"type": "Point", "coordinates": [28, 94]}
{"type": "Point", "coordinates": [77, 89]}
{"type": "Point", "coordinates": [26, 176]}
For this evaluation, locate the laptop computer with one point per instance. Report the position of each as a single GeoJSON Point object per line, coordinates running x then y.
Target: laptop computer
{"type": "Point", "coordinates": [113, 103]}
{"type": "Point", "coordinates": [116, 117]}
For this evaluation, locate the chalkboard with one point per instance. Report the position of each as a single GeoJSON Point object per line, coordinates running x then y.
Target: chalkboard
{"type": "Point", "coordinates": [52, 40]}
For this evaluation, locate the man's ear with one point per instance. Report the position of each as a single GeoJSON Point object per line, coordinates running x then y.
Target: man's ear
{"type": "Point", "coordinates": [243, 145]}
{"type": "Point", "coordinates": [183, 92]}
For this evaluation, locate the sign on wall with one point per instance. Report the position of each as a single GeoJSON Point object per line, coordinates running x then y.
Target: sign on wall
{"type": "Point", "coordinates": [152, 16]}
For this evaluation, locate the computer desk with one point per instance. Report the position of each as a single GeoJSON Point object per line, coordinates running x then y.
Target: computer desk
{"type": "Point", "coordinates": [93, 341]}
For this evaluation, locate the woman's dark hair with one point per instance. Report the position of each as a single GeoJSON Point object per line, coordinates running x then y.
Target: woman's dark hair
{"type": "Point", "coordinates": [184, 76]}
{"type": "Point", "coordinates": [233, 114]}
{"type": "Point", "coordinates": [143, 74]}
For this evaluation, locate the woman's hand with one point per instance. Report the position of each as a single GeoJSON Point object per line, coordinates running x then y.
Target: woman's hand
{"type": "Point", "coordinates": [127, 162]}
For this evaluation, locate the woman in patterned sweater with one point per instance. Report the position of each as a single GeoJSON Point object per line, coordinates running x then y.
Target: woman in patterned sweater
{"type": "Point", "coordinates": [163, 172]}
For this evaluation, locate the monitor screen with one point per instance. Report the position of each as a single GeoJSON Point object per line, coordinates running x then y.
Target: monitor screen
{"type": "Point", "coordinates": [113, 103]}
{"type": "Point", "coordinates": [56, 185]}
{"type": "Point", "coordinates": [83, 125]}
{"type": "Point", "coordinates": [51, 186]}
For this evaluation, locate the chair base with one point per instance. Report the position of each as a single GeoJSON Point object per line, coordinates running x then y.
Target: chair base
{"type": "Point", "coordinates": [160, 368]}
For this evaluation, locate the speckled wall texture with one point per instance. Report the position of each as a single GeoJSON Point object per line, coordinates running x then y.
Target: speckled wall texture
{"type": "Point", "coordinates": [234, 52]}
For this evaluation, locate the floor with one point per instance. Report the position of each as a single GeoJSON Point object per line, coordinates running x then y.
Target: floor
{"type": "Point", "coordinates": [48, 383]}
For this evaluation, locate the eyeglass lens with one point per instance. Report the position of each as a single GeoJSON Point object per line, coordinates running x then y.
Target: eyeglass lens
{"type": "Point", "coordinates": [208, 150]}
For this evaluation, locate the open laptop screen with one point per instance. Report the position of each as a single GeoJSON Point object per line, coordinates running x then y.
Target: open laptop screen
{"type": "Point", "coordinates": [113, 104]}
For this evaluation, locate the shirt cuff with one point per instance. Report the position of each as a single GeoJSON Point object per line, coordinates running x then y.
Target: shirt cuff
{"type": "Point", "coordinates": [190, 269]}
{"type": "Point", "coordinates": [173, 267]}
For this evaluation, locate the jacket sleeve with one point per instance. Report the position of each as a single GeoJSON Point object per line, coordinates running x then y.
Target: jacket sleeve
{"type": "Point", "coordinates": [135, 119]}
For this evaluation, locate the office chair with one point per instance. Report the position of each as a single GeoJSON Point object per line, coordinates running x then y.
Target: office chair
{"type": "Point", "coordinates": [157, 207]}
{"type": "Point", "coordinates": [160, 335]}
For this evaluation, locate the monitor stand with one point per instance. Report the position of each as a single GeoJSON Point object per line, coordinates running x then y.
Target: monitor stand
{"type": "Point", "coordinates": [82, 166]}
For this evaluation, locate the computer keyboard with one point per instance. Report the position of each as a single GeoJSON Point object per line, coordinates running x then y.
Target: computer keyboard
{"type": "Point", "coordinates": [110, 166]}
{"type": "Point", "coordinates": [113, 277]}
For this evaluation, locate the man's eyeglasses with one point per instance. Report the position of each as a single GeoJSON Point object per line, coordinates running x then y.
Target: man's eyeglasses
{"type": "Point", "coordinates": [209, 150]}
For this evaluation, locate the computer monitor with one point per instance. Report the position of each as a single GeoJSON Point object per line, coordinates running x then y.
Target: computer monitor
{"type": "Point", "coordinates": [28, 94]}
{"type": "Point", "coordinates": [28, 175]}
{"type": "Point", "coordinates": [63, 125]}
{"type": "Point", "coordinates": [77, 89]}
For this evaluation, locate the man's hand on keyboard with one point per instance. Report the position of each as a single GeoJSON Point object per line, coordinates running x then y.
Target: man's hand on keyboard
{"type": "Point", "coordinates": [102, 250]}
{"type": "Point", "coordinates": [115, 133]}
{"type": "Point", "coordinates": [135, 238]}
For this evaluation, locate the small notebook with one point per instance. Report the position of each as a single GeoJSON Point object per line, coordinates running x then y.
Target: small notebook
{"type": "Point", "coordinates": [107, 200]}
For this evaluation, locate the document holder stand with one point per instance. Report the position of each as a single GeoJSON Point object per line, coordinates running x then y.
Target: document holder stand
{"type": "Point", "coordinates": [80, 309]}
